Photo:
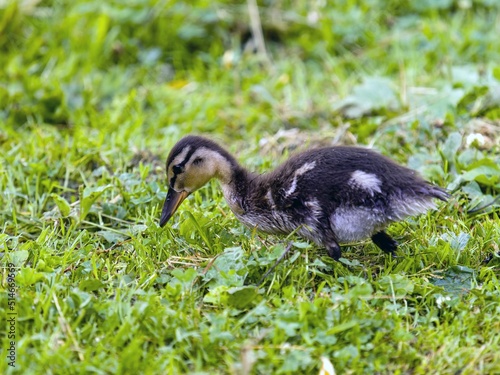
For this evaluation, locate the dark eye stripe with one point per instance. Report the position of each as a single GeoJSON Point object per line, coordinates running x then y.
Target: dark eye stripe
{"type": "Point", "coordinates": [177, 169]}
{"type": "Point", "coordinates": [188, 156]}
{"type": "Point", "coordinates": [182, 164]}
{"type": "Point", "coordinates": [172, 180]}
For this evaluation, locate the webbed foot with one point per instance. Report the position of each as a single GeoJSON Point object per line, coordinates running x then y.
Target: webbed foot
{"type": "Point", "coordinates": [333, 249]}
{"type": "Point", "coordinates": [385, 242]}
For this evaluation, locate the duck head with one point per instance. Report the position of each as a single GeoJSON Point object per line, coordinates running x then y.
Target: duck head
{"type": "Point", "coordinates": [191, 164]}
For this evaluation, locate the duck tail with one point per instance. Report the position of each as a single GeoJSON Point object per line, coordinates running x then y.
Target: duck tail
{"type": "Point", "coordinates": [437, 192]}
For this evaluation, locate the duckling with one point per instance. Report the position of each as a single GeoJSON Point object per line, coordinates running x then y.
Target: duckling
{"type": "Point", "coordinates": [328, 195]}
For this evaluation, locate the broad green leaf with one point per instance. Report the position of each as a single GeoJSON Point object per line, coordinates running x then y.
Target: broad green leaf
{"type": "Point", "coordinates": [185, 276]}
{"type": "Point", "coordinates": [457, 242]}
{"type": "Point", "coordinates": [485, 172]}
{"type": "Point", "coordinates": [456, 280]}
{"type": "Point", "coordinates": [396, 284]}
{"type": "Point", "coordinates": [62, 204]}
{"type": "Point", "coordinates": [18, 257]}
{"type": "Point", "coordinates": [484, 162]}
{"type": "Point", "coordinates": [217, 295]}
{"type": "Point", "coordinates": [28, 276]}
{"type": "Point", "coordinates": [241, 297]}
{"type": "Point", "coordinates": [373, 94]}
{"type": "Point", "coordinates": [228, 268]}
{"type": "Point", "coordinates": [90, 285]}
{"type": "Point", "coordinates": [88, 196]}
{"type": "Point", "coordinates": [342, 327]}
{"type": "Point", "coordinates": [301, 245]}
{"type": "Point", "coordinates": [451, 146]}
{"type": "Point", "coordinates": [111, 236]}
{"type": "Point", "coordinates": [182, 282]}
{"type": "Point", "coordinates": [442, 105]}
{"type": "Point", "coordinates": [350, 262]}
{"type": "Point", "coordinates": [136, 229]}
{"type": "Point", "coordinates": [362, 290]}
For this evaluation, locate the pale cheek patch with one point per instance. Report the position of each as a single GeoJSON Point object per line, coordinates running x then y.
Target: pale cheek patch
{"type": "Point", "coordinates": [299, 172]}
{"type": "Point", "coordinates": [196, 175]}
{"type": "Point", "coordinates": [215, 165]}
{"type": "Point", "coordinates": [181, 156]}
{"type": "Point", "coordinates": [177, 160]}
{"type": "Point", "coordinates": [366, 181]}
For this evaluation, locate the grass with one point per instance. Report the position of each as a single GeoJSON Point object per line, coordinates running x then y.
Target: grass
{"type": "Point", "coordinates": [93, 98]}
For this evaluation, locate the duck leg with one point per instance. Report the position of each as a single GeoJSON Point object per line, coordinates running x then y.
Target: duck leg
{"type": "Point", "coordinates": [288, 247]}
{"type": "Point", "coordinates": [385, 242]}
{"type": "Point", "coordinates": [333, 249]}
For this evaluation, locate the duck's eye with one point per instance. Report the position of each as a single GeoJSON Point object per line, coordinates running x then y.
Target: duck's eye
{"type": "Point", "coordinates": [197, 161]}
{"type": "Point", "coordinates": [177, 169]}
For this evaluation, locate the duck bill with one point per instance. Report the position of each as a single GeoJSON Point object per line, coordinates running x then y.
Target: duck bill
{"type": "Point", "coordinates": [172, 202]}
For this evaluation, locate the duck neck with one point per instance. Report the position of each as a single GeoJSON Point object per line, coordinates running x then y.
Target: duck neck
{"type": "Point", "coordinates": [235, 181]}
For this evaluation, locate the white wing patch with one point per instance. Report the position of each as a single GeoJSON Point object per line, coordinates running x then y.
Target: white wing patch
{"type": "Point", "coordinates": [367, 181]}
{"type": "Point", "coordinates": [299, 172]}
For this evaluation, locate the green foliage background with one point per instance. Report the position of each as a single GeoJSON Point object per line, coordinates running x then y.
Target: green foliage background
{"type": "Point", "coordinates": [94, 94]}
